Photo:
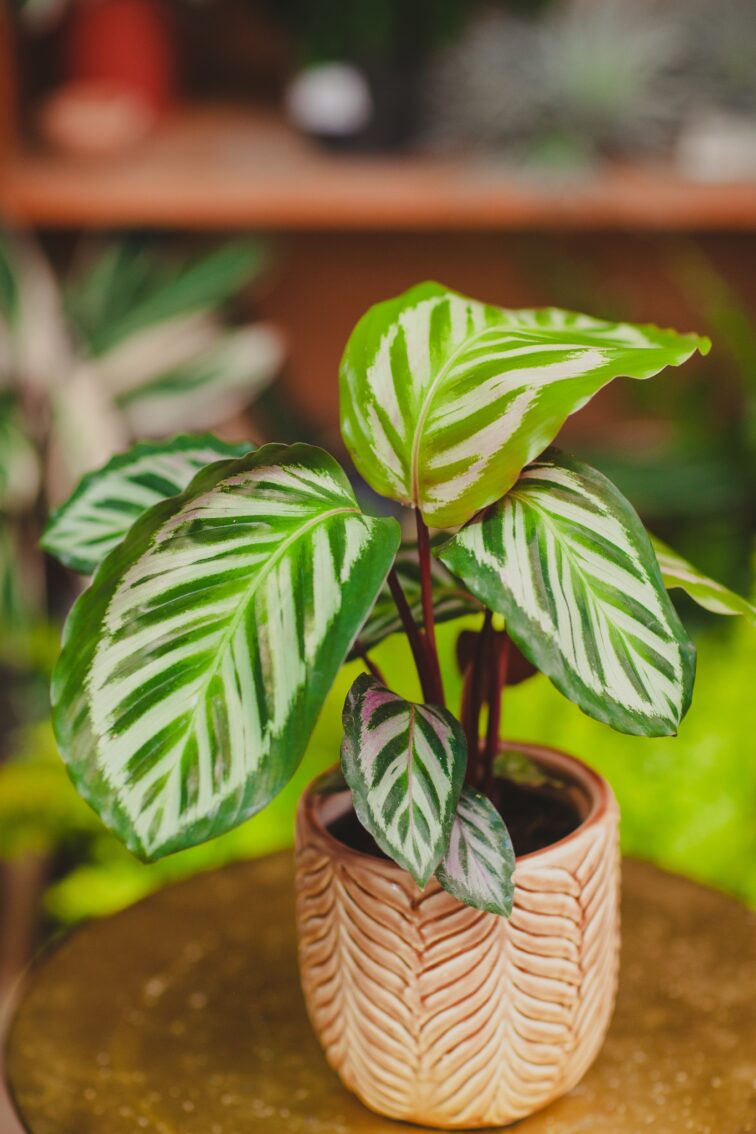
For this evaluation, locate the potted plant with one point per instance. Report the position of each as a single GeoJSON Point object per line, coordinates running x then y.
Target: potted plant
{"type": "Point", "coordinates": [362, 66]}
{"type": "Point", "coordinates": [454, 979]}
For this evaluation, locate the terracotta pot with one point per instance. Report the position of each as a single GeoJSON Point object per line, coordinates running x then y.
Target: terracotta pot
{"type": "Point", "coordinates": [446, 1016]}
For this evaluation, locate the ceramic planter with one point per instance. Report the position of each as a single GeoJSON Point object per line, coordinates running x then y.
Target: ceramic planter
{"type": "Point", "coordinates": [446, 1016]}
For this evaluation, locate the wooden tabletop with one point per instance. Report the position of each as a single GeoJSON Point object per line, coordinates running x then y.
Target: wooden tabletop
{"type": "Point", "coordinates": [220, 167]}
{"type": "Point", "coordinates": [183, 1015]}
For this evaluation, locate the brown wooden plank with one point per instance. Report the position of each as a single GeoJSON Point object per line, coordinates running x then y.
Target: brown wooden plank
{"type": "Point", "coordinates": [226, 168]}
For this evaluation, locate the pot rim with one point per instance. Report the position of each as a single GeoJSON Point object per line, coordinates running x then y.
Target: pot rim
{"type": "Point", "coordinates": [592, 786]}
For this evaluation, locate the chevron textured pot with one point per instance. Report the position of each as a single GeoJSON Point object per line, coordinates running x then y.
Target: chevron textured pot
{"type": "Point", "coordinates": [446, 1016]}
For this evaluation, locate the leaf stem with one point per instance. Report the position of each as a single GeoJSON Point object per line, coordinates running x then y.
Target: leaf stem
{"type": "Point", "coordinates": [426, 590]}
{"type": "Point", "coordinates": [473, 700]}
{"type": "Point", "coordinates": [361, 650]}
{"type": "Point", "coordinates": [497, 678]}
{"type": "Point", "coordinates": [413, 633]}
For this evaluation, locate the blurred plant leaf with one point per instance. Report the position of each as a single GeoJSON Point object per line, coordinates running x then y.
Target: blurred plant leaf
{"type": "Point", "coordinates": [215, 384]}
{"type": "Point", "coordinates": [132, 287]}
{"type": "Point", "coordinates": [16, 603]}
{"type": "Point", "coordinates": [712, 596]}
{"type": "Point", "coordinates": [19, 465]}
{"type": "Point", "coordinates": [156, 350]}
{"type": "Point", "coordinates": [74, 450]}
{"type": "Point", "coordinates": [37, 351]}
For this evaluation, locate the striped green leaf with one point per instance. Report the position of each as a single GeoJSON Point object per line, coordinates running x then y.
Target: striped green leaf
{"type": "Point", "coordinates": [444, 400]}
{"type": "Point", "coordinates": [712, 596]}
{"type": "Point", "coordinates": [564, 557]}
{"type": "Point", "coordinates": [450, 601]}
{"type": "Point", "coordinates": [195, 665]}
{"type": "Point", "coordinates": [219, 380]}
{"type": "Point", "coordinates": [478, 867]}
{"type": "Point", "coordinates": [132, 286]}
{"type": "Point", "coordinates": [405, 764]}
{"type": "Point", "coordinates": [106, 502]}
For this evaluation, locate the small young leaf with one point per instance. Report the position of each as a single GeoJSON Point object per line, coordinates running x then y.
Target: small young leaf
{"type": "Point", "coordinates": [444, 400]}
{"type": "Point", "coordinates": [478, 867]}
{"type": "Point", "coordinates": [108, 501]}
{"type": "Point", "coordinates": [564, 557]}
{"type": "Point", "coordinates": [712, 596]}
{"type": "Point", "coordinates": [405, 764]}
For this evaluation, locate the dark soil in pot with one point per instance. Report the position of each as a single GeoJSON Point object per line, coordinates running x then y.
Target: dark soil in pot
{"type": "Point", "coordinates": [535, 817]}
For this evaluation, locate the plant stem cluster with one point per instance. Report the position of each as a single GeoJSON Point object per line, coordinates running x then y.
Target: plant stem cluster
{"type": "Point", "coordinates": [485, 672]}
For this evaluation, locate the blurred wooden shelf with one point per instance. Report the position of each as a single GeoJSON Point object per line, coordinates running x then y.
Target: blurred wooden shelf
{"type": "Point", "coordinates": [217, 168]}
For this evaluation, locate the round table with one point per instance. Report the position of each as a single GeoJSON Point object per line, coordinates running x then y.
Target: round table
{"type": "Point", "coordinates": [183, 1015]}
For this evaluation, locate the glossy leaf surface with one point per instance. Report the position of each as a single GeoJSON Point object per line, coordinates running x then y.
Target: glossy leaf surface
{"type": "Point", "coordinates": [568, 563]}
{"type": "Point", "coordinates": [444, 400]}
{"type": "Point", "coordinates": [195, 665]}
{"type": "Point", "coordinates": [478, 867]}
{"type": "Point", "coordinates": [405, 764]}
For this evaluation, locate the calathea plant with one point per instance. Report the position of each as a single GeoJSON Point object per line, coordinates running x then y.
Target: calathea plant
{"type": "Point", "coordinates": [230, 586]}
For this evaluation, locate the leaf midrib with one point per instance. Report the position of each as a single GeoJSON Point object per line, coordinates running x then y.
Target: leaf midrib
{"type": "Point", "coordinates": [425, 408]}
{"type": "Point", "coordinates": [554, 527]}
{"type": "Point", "coordinates": [410, 784]}
{"type": "Point", "coordinates": [535, 334]}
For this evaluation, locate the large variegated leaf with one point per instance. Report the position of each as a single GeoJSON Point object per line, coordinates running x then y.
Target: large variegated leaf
{"type": "Point", "coordinates": [450, 600]}
{"type": "Point", "coordinates": [194, 666]}
{"type": "Point", "coordinates": [444, 400]}
{"type": "Point", "coordinates": [478, 867]}
{"type": "Point", "coordinates": [677, 572]}
{"type": "Point", "coordinates": [568, 563]}
{"type": "Point", "coordinates": [107, 502]}
{"type": "Point", "coordinates": [405, 764]}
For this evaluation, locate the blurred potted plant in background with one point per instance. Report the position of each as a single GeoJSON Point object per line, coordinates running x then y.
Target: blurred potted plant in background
{"type": "Point", "coordinates": [562, 87]}
{"type": "Point", "coordinates": [118, 72]}
{"type": "Point", "coordinates": [718, 139]}
{"type": "Point", "coordinates": [363, 66]}
{"type": "Point", "coordinates": [133, 341]}
{"type": "Point", "coordinates": [195, 664]}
